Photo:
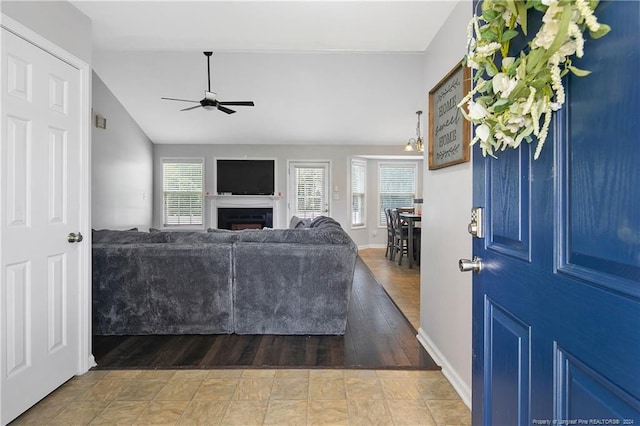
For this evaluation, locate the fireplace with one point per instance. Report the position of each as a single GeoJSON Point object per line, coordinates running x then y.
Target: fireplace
{"type": "Point", "coordinates": [245, 218]}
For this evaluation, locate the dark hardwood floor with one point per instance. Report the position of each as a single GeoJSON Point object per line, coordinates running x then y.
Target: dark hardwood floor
{"type": "Point", "coordinates": [378, 336]}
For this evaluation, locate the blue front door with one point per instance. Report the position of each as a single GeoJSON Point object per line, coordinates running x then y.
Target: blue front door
{"type": "Point", "coordinates": [556, 307]}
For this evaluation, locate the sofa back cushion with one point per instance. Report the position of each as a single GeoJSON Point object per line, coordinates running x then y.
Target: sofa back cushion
{"type": "Point", "coordinates": [219, 236]}
{"type": "Point", "coordinates": [127, 237]}
{"type": "Point", "coordinates": [295, 236]}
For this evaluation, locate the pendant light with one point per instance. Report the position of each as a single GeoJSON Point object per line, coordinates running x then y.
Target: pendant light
{"type": "Point", "coordinates": [416, 144]}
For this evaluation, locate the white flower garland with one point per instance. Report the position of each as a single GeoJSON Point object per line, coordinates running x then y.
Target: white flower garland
{"type": "Point", "coordinates": [510, 98]}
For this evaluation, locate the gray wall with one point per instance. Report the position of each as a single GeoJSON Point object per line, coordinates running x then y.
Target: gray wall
{"type": "Point", "coordinates": [338, 156]}
{"type": "Point", "coordinates": [58, 21]}
{"type": "Point", "coordinates": [445, 293]}
{"type": "Point", "coordinates": [122, 165]}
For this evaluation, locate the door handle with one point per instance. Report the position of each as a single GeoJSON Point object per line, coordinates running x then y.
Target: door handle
{"type": "Point", "coordinates": [467, 265]}
{"type": "Point", "coordinates": [74, 238]}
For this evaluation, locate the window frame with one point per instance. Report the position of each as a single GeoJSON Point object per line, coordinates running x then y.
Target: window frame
{"type": "Point", "coordinates": [381, 165]}
{"type": "Point", "coordinates": [363, 163]}
{"type": "Point", "coordinates": [184, 160]}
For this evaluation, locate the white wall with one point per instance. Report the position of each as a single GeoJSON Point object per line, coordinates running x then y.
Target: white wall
{"type": "Point", "coordinates": [58, 21]}
{"type": "Point", "coordinates": [445, 293]}
{"type": "Point", "coordinates": [122, 166]}
{"type": "Point", "coordinates": [338, 155]}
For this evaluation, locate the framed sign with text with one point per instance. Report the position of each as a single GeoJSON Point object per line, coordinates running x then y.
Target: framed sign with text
{"type": "Point", "coordinates": [449, 132]}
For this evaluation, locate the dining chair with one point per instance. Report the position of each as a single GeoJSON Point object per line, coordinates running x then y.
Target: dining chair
{"type": "Point", "coordinates": [401, 238]}
{"type": "Point", "coordinates": [390, 235]}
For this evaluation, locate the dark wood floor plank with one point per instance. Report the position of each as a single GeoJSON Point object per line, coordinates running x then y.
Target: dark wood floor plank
{"type": "Point", "coordinates": [218, 348]}
{"type": "Point", "coordinates": [378, 336]}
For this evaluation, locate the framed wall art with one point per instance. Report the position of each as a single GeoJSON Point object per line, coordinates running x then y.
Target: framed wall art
{"type": "Point", "coordinates": [449, 132]}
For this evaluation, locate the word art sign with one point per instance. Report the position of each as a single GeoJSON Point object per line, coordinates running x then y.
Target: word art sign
{"type": "Point", "coordinates": [449, 134]}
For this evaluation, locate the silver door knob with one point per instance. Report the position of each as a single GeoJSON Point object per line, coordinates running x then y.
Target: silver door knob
{"type": "Point", "coordinates": [467, 265]}
{"type": "Point", "coordinates": [74, 238]}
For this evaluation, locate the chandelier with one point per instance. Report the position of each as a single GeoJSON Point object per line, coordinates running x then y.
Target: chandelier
{"type": "Point", "coordinates": [416, 144]}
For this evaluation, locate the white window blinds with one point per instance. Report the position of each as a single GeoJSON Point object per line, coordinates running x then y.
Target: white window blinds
{"type": "Point", "coordinates": [310, 190]}
{"type": "Point", "coordinates": [182, 182]}
{"type": "Point", "coordinates": [397, 187]}
{"type": "Point", "coordinates": [358, 180]}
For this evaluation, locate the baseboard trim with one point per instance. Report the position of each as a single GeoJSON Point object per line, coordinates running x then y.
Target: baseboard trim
{"type": "Point", "coordinates": [90, 363]}
{"type": "Point", "coordinates": [370, 246]}
{"type": "Point", "coordinates": [447, 369]}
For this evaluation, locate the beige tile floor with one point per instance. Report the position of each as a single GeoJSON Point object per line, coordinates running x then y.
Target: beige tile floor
{"type": "Point", "coordinates": [252, 397]}
{"type": "Point", "coordinates": [265, 397]}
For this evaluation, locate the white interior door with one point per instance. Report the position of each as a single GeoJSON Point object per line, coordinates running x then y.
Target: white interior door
{"type": "Point", "coordinates": [308, 189]}
{"type": "Point", "coordinates": [40, 294]}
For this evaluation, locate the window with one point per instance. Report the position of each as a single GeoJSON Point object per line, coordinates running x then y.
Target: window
{"type": "Point", "coordinates": [309, 190]}
{"type": "Point", "coordinates": [397, 186]}
{"type": "Point", "coordinates": [182, 183]}
{"type": "Point", "coordinates": [358, 179]}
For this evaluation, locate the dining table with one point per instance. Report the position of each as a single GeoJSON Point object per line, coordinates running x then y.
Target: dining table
{"type": "Point", "coordinates": [410, 219]}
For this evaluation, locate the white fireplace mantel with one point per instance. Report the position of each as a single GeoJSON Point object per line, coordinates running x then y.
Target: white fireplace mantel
{"type": "Point", "coordinates": [240, 201]}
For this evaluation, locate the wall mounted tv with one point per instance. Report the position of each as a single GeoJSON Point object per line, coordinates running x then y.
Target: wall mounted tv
{"type": "Point", "coordinates": [245, 177]}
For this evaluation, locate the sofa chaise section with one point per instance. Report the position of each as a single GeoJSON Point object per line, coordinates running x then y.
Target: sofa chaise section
{"type": "Point", "coordinates": [292, 281]}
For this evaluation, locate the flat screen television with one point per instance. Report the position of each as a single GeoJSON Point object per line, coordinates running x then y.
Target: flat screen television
{"type": "Point", "coordinates": [245, 177]}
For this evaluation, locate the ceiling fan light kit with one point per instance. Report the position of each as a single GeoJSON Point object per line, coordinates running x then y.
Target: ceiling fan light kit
{"type": "Point", "coordinates": [210, 101]}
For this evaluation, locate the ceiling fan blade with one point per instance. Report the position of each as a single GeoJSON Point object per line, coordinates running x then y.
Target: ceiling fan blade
{"type": "Point", "coordinates": [193, 107]}
{"type": "Point", "coordinates": [237, 103]}
{"type": "Point", "coordinates": [181, 100]}
{"type": "Point", "coordinates": [224, 109]}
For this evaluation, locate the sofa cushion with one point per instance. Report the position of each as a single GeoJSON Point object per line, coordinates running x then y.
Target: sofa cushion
{"type": "Point", "coordinates": [127, 237]}
{"type": "Point", "coordinates": [201, 237]}
{"type": "Point", "coordinates": [298, 222]}
{"type": "Point", "coordinates": [324, 222]}
{"type": "Point", "coordinates": [294, 236]}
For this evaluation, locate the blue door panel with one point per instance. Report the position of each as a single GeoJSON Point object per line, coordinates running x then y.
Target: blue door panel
{"type": "Point", "coordinates": [601, 128]}
{"type": "Point", "coordinates": [507, 362]}
{"type": "Point", "coordinates": [583, 394]}
{"type": "Point", "coordinates": [508, 223]}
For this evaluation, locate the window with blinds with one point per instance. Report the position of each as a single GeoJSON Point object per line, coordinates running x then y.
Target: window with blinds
{"type": "Point", "coordinates": [358, 180]}
{"type": "Point", "coordinates": [182, 186]}
{"type": "Point", "coordinates": [309, 189]}
{"type": "Point", "coordinates": [397, 187]}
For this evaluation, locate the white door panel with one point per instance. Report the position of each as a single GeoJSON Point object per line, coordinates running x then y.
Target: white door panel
{"type": "Point", "coordinates": [39, 207]}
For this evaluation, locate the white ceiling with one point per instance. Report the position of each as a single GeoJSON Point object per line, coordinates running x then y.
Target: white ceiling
{"type": "Point", "coordinates": [273, 53]}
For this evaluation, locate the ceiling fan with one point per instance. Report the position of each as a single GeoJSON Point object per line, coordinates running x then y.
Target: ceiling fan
{"type": "Point", "coordinates": [210, 100]}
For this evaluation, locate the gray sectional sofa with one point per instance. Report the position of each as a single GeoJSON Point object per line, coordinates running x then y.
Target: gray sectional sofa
{"type": "Point", "coordinates": [271, 281]}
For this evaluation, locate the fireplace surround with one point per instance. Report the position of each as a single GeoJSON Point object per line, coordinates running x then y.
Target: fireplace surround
{"type": "Point", "coordinates": [245, 204]}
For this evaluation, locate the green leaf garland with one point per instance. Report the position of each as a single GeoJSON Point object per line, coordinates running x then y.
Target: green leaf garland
{"type": "Point", "coordinates": [513, 99]}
